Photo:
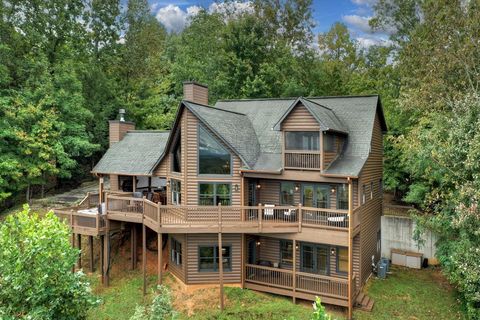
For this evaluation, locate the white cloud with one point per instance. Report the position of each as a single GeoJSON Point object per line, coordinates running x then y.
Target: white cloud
{"type": "Point", "coordinates": [372, 40]}
{"type": "Point", "coordinates": [364, 2]}
{"type": "Point", "coordinates": [358, 22]}
{"type": "Point", "coordinates": [175, 19]}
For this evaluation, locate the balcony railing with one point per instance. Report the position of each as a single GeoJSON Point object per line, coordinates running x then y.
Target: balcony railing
{"type": "Point", "coordinates": [308, 283]}
{"type": "Point", "coordinates": [302, 160]}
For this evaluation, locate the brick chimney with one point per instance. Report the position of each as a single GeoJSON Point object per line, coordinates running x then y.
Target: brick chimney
{"type": "Point", "coordinates": [195, 92]}
{"type": "Point", "coordinates": [118, 128]}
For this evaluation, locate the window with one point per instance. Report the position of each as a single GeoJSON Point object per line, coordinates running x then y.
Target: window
{"type": "Point", "coordinates": [208, 257]}
{"type": "Point", "coordinates": [176, 252]}
{"type": "Point", "coordinates": [176, 187]}
{"type": "Point", "coordinates": [364, 194]}
{"type": "Point", "coordinates": [317, 196]}
{"type": "Point", "coordinates": [314, 258]}
{"type": "Point", "coordinates": [213, 158]}
{"type": "Point", "coordinates": [212, 194]}
{"type": "Point", "coordinates": [286, 193]}
{"type": "Point", "coordinates": [371, 190]}
{"type": "Point", "coordinates": [323, 196]}
{"type": "Point", "coordinates": [329, 143]}
{"type": "Point", "coordinates": [286, 253]}
{"type": "Point", "coordinates": [302, 140]}
{"type": "Point", "coordinates": [342, 260]}
{"type": "Point", "coordinates": [342, 197]}
{"type": "Point", "coordinates": [177, 154]}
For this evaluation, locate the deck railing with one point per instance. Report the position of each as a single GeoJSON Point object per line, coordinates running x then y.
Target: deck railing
{"type": "Point", "coordinates": [305, 282]}
{"type": "Point", "coordinates": [302, 160]}
{"type": "Point", "coordinates": [79, 221]}
{"type": "Point", "coordinates": [261, 215]}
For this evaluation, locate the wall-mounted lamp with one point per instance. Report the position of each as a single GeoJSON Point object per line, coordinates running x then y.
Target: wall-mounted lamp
{"type": "Point", "coordinates": [297, 187]}
{"type": "Point", "coordinates": [236, 188]}
{"type": "Point", "coordinates": [258, 185]}
{"type": "Point", "coordinates": [332, 251]}
{"type": "Point", "coordinates": [168, 183]}
{"type": "Point", "coordinates": [333, 190]}
{"type": "Point", "coordinates": [296, 247]}
{"type": "Point", "coordinates": [258, 243]}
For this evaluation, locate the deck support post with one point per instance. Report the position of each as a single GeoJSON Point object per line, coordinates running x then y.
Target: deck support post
{"type": "Point", "coordinates": [79, 242]}
{"type": "Point", "coordinates": [102, 258]}
{"type": "Point", "coordinates": [294, 271]}
{"type": "Point", "coordinates": [160, 257]}
{"type": "Point", "coordinates": [350, 249]}
{"type": "Point", "coordinates": [90, 247]}
{"type": "Point", "coordinates": [242, 263]}
{"type": "Point", "coordinates": [144, 251]}
{"type": "Point", "coordinates": [220, 256]}
{"type": "Point", "coordinates": [133, 246]}
{"type": "Point", "coordinates": [106, 264]}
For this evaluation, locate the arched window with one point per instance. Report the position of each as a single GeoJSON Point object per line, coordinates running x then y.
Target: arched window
{"type": "Point", "coordinates": [213, 158]}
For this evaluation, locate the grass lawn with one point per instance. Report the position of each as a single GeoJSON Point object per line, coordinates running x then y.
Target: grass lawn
{"type": "Point", "coordinates": [412, 294]}
{"type": "Point", "coordinates": [405, 294]}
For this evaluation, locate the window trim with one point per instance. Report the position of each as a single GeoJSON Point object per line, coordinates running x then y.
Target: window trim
{"type": "Point", "coordinates": [215, 183]}
{"type": "Point", "coordinates": [198, 154]}
{"type": "Point", "coordinates": [339, 186]}
{"type": "Point", "coordinates": [215, 258]}
{"type": "Point", "coordinates": [174, 261]}
{"type": "Point", "coordinates": [315, 246]}
{"type": "Point", "coordinates": [337, 262]}
{"type": "Point", "coordinates": [364, 193]}
{"type": "Point", "coordinates": [280, 194]}
{"type": "Point", "coordinates": [281, 242]}
{"type": "Point", "coordinates": [302, 150]}
{"type": "Point", "coordinates": [371, 190]}
{"type": "Point", "coordinates": [177, 203]}
{"type": "Point", "coordinates": [176, 140]}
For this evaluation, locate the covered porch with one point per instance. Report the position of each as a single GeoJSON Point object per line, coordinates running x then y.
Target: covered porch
{"type": "Point", "coordinates": [297, 269]}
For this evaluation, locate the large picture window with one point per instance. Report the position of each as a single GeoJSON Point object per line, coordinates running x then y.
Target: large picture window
{"type": "Point", "coordinates": [176, 188]}
{"type": "Point", "coordinates": [314, 258]}
{"type": "Point", "coordinates": [212, 194]}
{"type": "Point", "coordinates": [302, 140]}
{"type": "Point", "coordinates": [286, 193]}
{"type": "Point", "coordinates": [176, 252]}
{"type": "Point", "coordinates": [208, 257]}
{"type": "Point", "coordinates": [213, 158]}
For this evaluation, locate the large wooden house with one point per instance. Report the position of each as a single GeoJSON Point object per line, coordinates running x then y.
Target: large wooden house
{"type": "Point", "coordinates": [290, 189]}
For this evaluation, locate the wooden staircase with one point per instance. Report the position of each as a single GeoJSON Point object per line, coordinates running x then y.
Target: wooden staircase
{"type": "Point", "coordinates": [364, 302]}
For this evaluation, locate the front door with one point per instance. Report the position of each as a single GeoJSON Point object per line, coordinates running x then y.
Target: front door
{"type": "Point", "coordinates": [252, 198]}
{"type": "Point", "coordinates": [252, 251]}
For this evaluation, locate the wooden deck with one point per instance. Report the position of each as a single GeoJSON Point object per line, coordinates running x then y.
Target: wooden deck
{"type": "Point", "coordinates": [203, 219]}
{"type": "Point", "coordinates": [332, 290]}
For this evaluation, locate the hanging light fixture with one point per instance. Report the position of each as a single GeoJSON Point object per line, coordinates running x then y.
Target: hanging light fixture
{"type": "Point", "coordinates": [332, 251]}
{"type": "Point", "coordinates": [297, 187]}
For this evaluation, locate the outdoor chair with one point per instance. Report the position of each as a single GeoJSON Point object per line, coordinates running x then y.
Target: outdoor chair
{"type": "Point", "coordinates": [268, 213]}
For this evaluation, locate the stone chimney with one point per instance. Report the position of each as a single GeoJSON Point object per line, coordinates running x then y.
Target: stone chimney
{"type": "Point", "coordinates": [118, 128]}
{"type": "Point", "coordinates": [195, 92]}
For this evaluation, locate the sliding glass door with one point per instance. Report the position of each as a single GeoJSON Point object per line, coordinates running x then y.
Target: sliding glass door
{"type": "Point", "coordinates": [316, 196]}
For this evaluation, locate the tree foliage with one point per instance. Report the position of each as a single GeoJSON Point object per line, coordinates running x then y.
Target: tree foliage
{"type": "Point", "coordinates": [36, 278]}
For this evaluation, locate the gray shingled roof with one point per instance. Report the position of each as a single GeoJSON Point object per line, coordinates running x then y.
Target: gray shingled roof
{"type": "Point", "coordinates": [325, 117]}
{"type": "Point", "coordinates": [355, 115]}
{"type": "Point", "coordinates": [234, 128]}
{"type": "Point", "coordinates": [136, 154]}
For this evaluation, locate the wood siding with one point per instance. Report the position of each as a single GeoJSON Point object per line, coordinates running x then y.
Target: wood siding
{"type": "Point", "coordinates": [177, 270]}
{"type": "Point", "coordinates": [300, 119]}
{"type": "Point", "coordinates": [114, 186]}
{"type": "Point", "coordinates": [195, 93]}
{"type": "Point", "coordinates": [371, 210]}
{"type": "Point", "coordinates": [194, 276]}
{"type": "Point", "coordinates": [329, 157]}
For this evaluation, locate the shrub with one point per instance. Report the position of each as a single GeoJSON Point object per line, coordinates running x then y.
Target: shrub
{"type": "Point", "coordinates": [36, 278]}
{"type": "Point", "coordinates": [160, 309]}
{"type": "Point", "coordinates": [319, 312]}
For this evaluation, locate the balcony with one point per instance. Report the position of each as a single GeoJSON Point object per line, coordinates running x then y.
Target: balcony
{"type": "Point", "coordinates": [305, 160]}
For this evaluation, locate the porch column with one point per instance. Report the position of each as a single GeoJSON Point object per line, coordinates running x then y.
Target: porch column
{"type": "Point", "coordinates": [220, 269]}
{"type": "Point", "coordinates": [100, 190]}
{"type": "Point", "coordinates": [106, 254]}
{"type": "Point", "coordinates": [294, 271]}
{"type": "Point", "coordinates": [144, 256]}
{"type": "Point", "coordinates": [322, 159]}
{"type": "Point", "coordinates": [134, 183]}
{"type": "Point", "coordinates": [350, 248]}
{"type": "Point", "coordinates": [160, 257]}
{"type": "Point", "coordinates": [102, 258]}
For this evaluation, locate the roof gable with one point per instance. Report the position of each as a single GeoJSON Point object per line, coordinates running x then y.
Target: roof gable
{"type": "Point", "coordinates": [325, 117]}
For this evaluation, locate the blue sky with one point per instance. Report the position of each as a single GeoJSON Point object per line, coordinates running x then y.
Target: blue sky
{"type": "Point", "coordinates": [354, 13]}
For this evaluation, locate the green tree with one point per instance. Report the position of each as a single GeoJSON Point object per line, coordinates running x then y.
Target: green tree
{"type": "Point", "coordinates": [36, 279]}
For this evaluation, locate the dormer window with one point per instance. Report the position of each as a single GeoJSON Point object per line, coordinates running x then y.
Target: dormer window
{"type": "Point", "coordinates": [329, 143]}
{"type": "Point", "coordinates": [302, 140]}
